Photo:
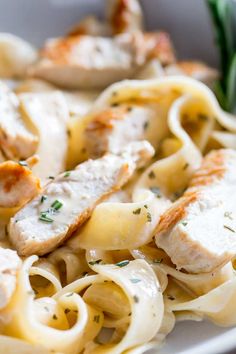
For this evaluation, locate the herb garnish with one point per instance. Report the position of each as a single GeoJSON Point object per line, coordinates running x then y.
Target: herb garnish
{"type": "Point", "coordinates": [151, 175]}
{"type": "Point", "coordinates": [136, 299]}
{"type": "Point", "coordinates": [122, 263]}
{"type": "Point", "coordinates": [96, 318]}
{"type": "Point", "coordinates": [145, 125]}
{"type": "Point", "coordinates": [137, 211]}
{"type": "Point", "coordinates": [149, 217]}
{"type": "Point", "coordinates": [51, 177]}
{"type": "Point", "coordinates": [95, 262]}
{"type": "Point", "coordinates": [69, 295]}
{"type": "Point", "coordinates": [67, 174]}
{"type": "Point", "coordinates": [228, 214]}
{"type": "Point", "coordinates": [229, 228]}
{"type": "Point", "coordinates": [184, 223]}
{"type": "Point", "coordinates": [45, 218]}
{"type": "Point", "coordinates": [158, 260]}
{"type": "Point", "coordinates": [56, 205]}
{"type": "Point", "coordinates": [135, 281]}
{"type": "Point", "coordinates": [156, 191]}
{"type": "Point", "coordinates": [186, 166]}
{"type": "Point", "coordinates": [43, 198]}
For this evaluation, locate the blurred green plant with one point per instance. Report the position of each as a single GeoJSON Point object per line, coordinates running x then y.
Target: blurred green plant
{"type": "Point", "coordinates": [223, 14]}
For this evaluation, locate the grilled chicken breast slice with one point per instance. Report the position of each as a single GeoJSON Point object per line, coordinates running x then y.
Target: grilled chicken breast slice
{"type": "Point", "coordinates": [68, 201]}
{"type": "Point", "coordinates": [199, 231]}
{"type": "Point", "coordinates": [17, 184]}
{"type": "Point", "coordinates": [83, 61]}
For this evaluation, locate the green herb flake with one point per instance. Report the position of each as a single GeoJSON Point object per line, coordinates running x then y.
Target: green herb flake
{"type": "Point", "coordinates": [229, 228]}
{"type": "Point", "coordinates": [158, 260]}
{"type": "Point", "coordinates": [137, 211]}
{"type": "Point", "coordinates": [136, 299]}
{"type": "Point", "coordinates": [43, 217]}
{"type": "Point", "coordinates": [23, 163]}
{"type": "Point", "coordinates": [69, 295]}
{"type": "Point", "coordinates": [51, 177]}
{"type": "Point", "coordinates": [171, 297]}
{"type": "Point", "coordinates": [146, 125]}
{"type": "Point", "coordinates": [184, 223]}
{"type": "Point", "coordinates": [67, 174]}
{"type": "Point", "coordinates": [151, 175]}
{"type": "Point", "coordinates": [156, 191]}
{"type": "Point", "coordinates": [43, 198]}
{"type": "Point", "coordinates": [186, 166]}
{"type": "Point", "coordinates": [228, 214]}
{"type": "Point", "coordinates": [135, 281]}
{"type": "Point", "coordinates": [145, 206]}
{"type": "Point", "coordinates": [202, 117]}
{"type": "Point", "coordinates": [56, 205]}
{"type": "Point", "coordinates": [96, 318]}
{"type": "Point", "coordinates": [122, 263]}
{"type": "Point", "coordinates": [149, 217]}
{"type": "Point", "coordinates": [46, 308]}
{"type": "Point", "coordinates": [95, 262]}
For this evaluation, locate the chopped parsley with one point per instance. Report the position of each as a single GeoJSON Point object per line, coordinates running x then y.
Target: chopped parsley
{"type": "Point", "coordinates": [158, 260]}
{"type": "Point", "coordinates": [51, 177]}
{"type": "Point", "coordinates": [45, 218]}
{"type": "Point", "coordinates": [135, 280]}
{"type": "Point", "coordinates": [136, 299]}
{"type": "Point", "coordinates": [146, 125]}
{"type": "Point", "coordinates": [151, 175]}
{"type": "Point", "coordinates": [171, 297]}
{"type": "Point", "coordinates": [122, 263]}
{"type": "Point", "coordinates": [137, 211]}
{"type": "Point", "coordinates": [202, 117]}
{"type": "Point", "coordinates": [56, 205]}
{"type": "Point", "coordinates": [69, 295]}
{"type": "Point", "coordinates": [23, 163]}
{"type": "Point", "coordinates": [229, 228]}
{"type": "Point", "coordinates": [156, 191]}
{"type": "Point", "coordinates": [67, 174]}
{"type": "Point", "coordinates": [228, 214]}
{"type": "Point", "coordinates": [43, 198]}
{"type": "Point", "coordinates": [95, 262]}
{"type": "Point", "coordinates": [145, 206]}
{"type": "Point", "coordinates": [115, 104]}
{"type": "Point", "coordinates": [149, 217]}
{"type": "Point", "coordinates": [184, 223]}
{"type": "Point", "coordinates": [96, 318]}
{"type": "Point", "coordinates": [46, 308]}
{"type": "Point", "coordinates": [186, 166]}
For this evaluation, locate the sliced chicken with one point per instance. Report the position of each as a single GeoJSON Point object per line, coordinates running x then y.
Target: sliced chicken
{"type": "Point", "coordinates": [16, 141]}
{"type": "Point", "coordinates": [124, 15]}
{"type": "Point", "coordinates": [95, 62]}
{"type": "Point", "coordinates": [116, 126]}
{"type": "Point", "coordinates": [17, 184]}
{"type": "Point", "coordinates": [9, 266]}
{"type": "Point", "coordinates": [195, 69]}
{"type": "Point", "coordinates": [68, 201]}
{"type": "Point", "coordinates": [199, 231]}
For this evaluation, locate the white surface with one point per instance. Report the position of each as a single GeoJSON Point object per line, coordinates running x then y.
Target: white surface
{"type": "Point", "coordinates": [188, 23]}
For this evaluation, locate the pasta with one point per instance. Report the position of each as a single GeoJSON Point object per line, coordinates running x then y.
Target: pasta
{"type": "Point", "coordinates": [105, 286]}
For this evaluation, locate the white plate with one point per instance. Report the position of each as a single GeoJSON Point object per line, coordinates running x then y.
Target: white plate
{"type": "Point", "coordinates": [188, 23]}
